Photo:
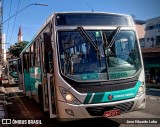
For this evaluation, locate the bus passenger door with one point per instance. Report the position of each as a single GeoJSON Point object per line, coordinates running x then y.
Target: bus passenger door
{"type": "Point", "coordinates": [43, 89]}
{"type": "Point", "coordinates": [49, 69]}
{"type": "Point", "coordinates": [25, 74]}
{"type": "Point", "coordinates": [51, 96]}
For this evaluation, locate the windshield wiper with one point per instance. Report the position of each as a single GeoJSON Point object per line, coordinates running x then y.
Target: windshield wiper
{"type": "Point", "coordinates": [87, 38]}
{"type": "Point", "coordinates": [105, 45]}
{"type": "Point", "coordinates": [113, 35]}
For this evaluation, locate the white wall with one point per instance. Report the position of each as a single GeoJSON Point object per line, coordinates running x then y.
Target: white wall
{"type": "Point", "coordinates": [152, 33]}
{"type": "Point", "coordinates": [4, 47]}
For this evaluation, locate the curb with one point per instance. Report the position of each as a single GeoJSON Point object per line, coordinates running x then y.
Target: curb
{"type": "Point", "coordinates": [153, 97]}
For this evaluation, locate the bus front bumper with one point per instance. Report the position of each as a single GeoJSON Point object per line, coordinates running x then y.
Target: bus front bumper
{"type": "Point", "coordinates": [69, 112]}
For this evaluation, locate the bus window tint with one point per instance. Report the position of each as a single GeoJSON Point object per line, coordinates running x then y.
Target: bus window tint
{"type": "Point", "coordinates": [91, 19]}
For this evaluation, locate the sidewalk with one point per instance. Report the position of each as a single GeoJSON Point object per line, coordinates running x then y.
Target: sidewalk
{"type": "Point", "coordinates": [3, 109]}
{"type": "Point", "coordinates": [3, 102]}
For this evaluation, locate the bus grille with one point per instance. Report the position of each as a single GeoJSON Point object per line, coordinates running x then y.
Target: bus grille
{"type": "Point", "coordinates": [99, 110]}
{"type": "Point", "coordinates": [105, 87]}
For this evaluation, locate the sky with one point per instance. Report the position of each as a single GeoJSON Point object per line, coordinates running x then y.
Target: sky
{"type": "Point", "coordinates": [32, 18]}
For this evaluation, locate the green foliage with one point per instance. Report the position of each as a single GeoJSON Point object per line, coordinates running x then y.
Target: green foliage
{"type": "Point", "coordinates": [17, 48]}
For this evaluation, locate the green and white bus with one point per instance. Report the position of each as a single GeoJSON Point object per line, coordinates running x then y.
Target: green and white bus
{"type": "Point", "coordinates": [85, 65]}
{"type": "Point", "coordinates": [11, 71]}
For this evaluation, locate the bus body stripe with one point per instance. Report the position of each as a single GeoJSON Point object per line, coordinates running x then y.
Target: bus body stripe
{"type": "Point", "coordinates": [97, 97]}
{"type": "Point", "coordinates": [89, 95]}
{"type": "Point", "coordinates": [91, 98]}
{"type": "Point", "coordinates": [117, 95]}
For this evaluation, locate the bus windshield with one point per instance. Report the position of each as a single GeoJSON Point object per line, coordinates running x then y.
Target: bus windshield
{"type": "Point", "coordinates": [81, 62]}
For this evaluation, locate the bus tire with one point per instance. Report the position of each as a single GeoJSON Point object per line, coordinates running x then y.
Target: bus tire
{"type": "Point", "coordinates": [40, 96]}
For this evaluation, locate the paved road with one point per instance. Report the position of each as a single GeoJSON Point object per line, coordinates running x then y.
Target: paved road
{"type": "Point", "coordinates": [25, 108]}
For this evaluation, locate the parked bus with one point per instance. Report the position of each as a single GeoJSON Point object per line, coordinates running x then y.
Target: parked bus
{"type": "Point", "coordinates": [11, 71]}
{"type": "Point", "coordinates": [85, 65]}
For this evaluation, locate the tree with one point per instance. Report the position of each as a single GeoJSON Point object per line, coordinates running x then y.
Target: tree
{"type": "Point", "coordinates": [17, 48]}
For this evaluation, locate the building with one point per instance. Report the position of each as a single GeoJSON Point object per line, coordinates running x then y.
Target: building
{"type": "Point", "coordinates": [3, 50]}
{"type": "Point", "coordinates": [152, 34]}
{"type": "Point", "coordinates": [140, 26]}
{"type": "Point", "coordinates": [4, 57]}
{"type": "Point", "coordinates": [151, 58]}
{"type": "Point", "coordinates": [151, 50]}
{"type": "Point", "coordinates": [1, 27]}
{"type": "Point", "coordinates": [20, 36]}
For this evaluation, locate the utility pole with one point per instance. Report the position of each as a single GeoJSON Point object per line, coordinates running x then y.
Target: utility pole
{"type": "Point", "coordinates": [1, 20]}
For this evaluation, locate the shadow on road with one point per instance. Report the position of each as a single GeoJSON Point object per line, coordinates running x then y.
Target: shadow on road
{"type": "Point", "coordinates": [24, 108]}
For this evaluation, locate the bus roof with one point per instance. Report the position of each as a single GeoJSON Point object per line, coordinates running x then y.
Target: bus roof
{"type": "Point", "coordinates": [86, 12]}
{"type": "Point", "coordinates": [76, 12]}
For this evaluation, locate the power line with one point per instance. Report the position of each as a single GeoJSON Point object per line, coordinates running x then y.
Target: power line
{"type": "Point", "coordinates": [14, 22]}
{"type": "Point", "coordinates": [90, 7]}
{"type": "Point", "coordinates": [8, 21]}
{"type": "Point", "coordinates": [38, 4]}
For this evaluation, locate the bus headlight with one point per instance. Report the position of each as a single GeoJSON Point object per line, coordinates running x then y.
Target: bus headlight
{"type": "Point", "coordinates": [140, 91]}
{"type": "Point", "coordinates": [69, 97]}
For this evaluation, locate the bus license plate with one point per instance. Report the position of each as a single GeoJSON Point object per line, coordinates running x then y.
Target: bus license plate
{"type": "Point", "coordinates": [112, 113]}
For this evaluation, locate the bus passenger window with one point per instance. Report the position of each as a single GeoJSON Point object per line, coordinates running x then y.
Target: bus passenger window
{"type": "Point", "coordinates": [48, 53]}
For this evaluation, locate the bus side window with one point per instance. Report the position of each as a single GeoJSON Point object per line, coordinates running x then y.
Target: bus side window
{"type": "Point", "coordinates": [26, 62]}
{"type": "Point", "coordinates": [48, 53]}
{"type": "Point", "coordinates": [43, 58]}
{"type": "Point", "coordinates": [37, 53]}
{"type": "Point", "coordinates": [19, 66]}
{"type": "Point", "coordinates": [31, 56]}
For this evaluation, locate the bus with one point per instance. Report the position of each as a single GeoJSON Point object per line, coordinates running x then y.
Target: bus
{"type": "Point", "coordinates": [11, 72]}
{"type": "Point", "coordinates": [85, 65]}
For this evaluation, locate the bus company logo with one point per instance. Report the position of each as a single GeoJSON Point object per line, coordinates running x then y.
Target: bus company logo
{"type": "Point", "coordinates": [110, 96]}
